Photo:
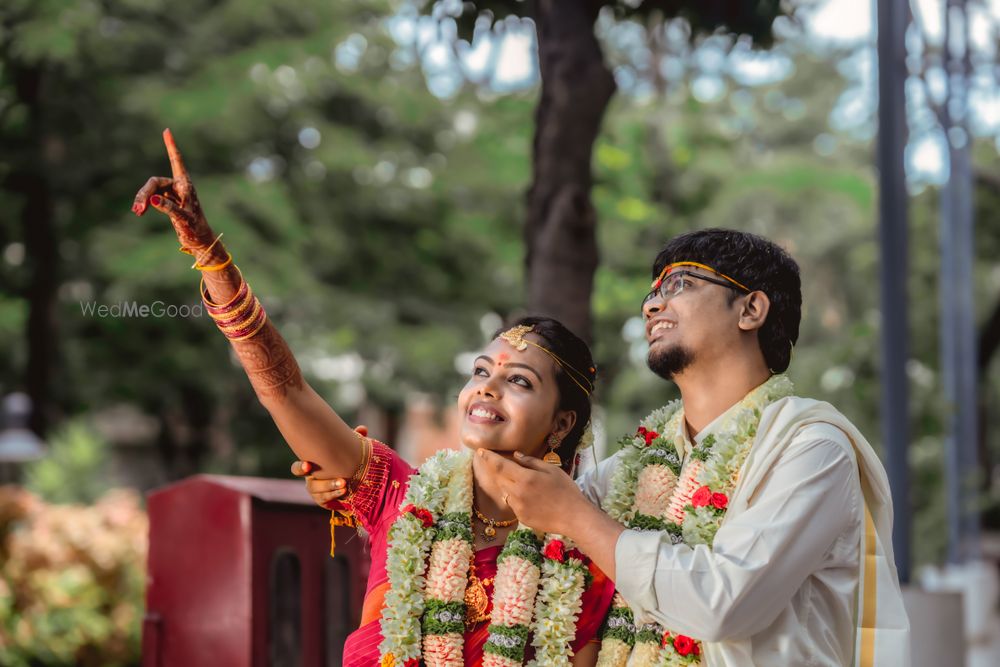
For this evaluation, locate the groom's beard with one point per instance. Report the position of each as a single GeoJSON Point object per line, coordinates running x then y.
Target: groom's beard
{"type": "Point", "coordinates": [670, 361]}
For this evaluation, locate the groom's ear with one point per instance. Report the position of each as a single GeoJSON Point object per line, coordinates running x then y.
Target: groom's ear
{"type": "Point", "coordinates": [753, 311]}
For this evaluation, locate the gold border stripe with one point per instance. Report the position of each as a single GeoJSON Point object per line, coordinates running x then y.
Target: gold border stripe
{"type": "Point", "coordinates": [869, 608]}
{"type": "Point", "coordinates": [670, 267]}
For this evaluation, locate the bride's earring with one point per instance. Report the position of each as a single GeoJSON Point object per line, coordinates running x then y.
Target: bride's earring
{"type": "Point", "coordinates": [551, 456]}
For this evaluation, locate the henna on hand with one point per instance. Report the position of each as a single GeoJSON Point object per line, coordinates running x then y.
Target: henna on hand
{"type": "Point", "coordinates": [177, 198]}
{"type": "Point", "coordinates": [311, 427]}
{"type": "Point", "coordinates": [266, 357]}
{"type": "Point", "coordinates": [269, 363]}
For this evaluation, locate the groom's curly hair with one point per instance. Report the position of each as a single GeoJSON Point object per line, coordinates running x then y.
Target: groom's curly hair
{"type": "Point", "coordinates": [759, 264]}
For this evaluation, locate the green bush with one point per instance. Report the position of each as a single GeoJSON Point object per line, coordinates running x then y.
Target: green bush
{"type": "Point", "coordinates": [74, 470]}
{"type": "Point", "coordinates": [72, 585]}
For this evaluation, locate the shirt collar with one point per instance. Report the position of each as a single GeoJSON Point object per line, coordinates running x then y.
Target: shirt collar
{"type": "Point", "coordinates": [683, 443]}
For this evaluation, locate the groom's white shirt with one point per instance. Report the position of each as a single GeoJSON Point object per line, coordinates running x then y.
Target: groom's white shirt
{"type": "Point", "coordinates": [780, 584]}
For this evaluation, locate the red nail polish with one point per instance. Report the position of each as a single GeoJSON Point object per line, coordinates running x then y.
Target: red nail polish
{"type": "Point", "coordinates": [155, 200]}
{"type": "Point", "coordinates": [306, 467]}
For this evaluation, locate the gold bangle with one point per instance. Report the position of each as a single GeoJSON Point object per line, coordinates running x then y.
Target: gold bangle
{"type": "Point", "coordinates": [241, 308]}
{"type": "Point", "coordinates": [263, 321]}
{"type": "Point", "coordinates": [214, 267]}
{"type": "Point", "coordinates": [243, 321]}
{"type": "Point", "coordinates": [191, 251]}
{"type": "Point", "coordinates": [201, 288]}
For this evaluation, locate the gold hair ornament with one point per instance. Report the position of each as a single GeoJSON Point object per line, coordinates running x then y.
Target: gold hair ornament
{"type": "Point", "coordinates": [515, 337]}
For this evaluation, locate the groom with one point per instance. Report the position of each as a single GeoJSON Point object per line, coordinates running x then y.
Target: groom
{"type": "Point", "coordinates": [772, 544]}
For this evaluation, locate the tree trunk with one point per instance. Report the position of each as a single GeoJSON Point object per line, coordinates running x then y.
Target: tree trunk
{"type": "Point", "coordinates": [989, 339]}
{"type": "Point", "coordinates": [561, 226]}
{"type": "Point", "coordinates": [30, 181]}
{"type": "Point", "coordinates": [989, 342]}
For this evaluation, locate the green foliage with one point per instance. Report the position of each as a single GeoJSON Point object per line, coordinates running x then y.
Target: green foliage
{"type": "Point", "coordinates": [367, 215]}
{"type": "Point", "coordinates": [620, 625]}
{"type": "Point", "coordinates": [75, 468]}
{"type": "Point", "coordinates": [751, 17]}
{"type": "Point", "coordinates": [436, 610]}
{"type": "Point", "coordinates": [73, 581]}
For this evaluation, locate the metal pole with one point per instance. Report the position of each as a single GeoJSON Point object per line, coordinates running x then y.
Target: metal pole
{"type": "Point", "coordinates": [957, 325]}
{"type": "Point", "coordinates": [892, 19]}
{"type": "Point", "coordinates": [949, 314]}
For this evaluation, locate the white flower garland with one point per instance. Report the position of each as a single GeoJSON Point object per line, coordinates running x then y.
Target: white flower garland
{"type": "Point", "coordinates": [650, 491]}
{"type": "Point", "coordinates": [560, 600]}
{"type": "Point", "coordinates": [411, 542]}
{"type": "Point", "coordinates": [538, 587]}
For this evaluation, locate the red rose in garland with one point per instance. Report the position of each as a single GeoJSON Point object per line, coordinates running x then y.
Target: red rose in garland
{"type": "Point", "coordinates": [720, 501]}
{"type": "Point", "coordinates": [701, 497]}
{"type": "Point", "coordinates": [555, 550]}
{"type": "Point", "coordinates": [424, 515]}
{"type": "Point", "coordinates": [684, 644]}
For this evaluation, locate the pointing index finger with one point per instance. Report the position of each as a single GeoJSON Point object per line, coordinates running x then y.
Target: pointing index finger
{"type": "Point", "coordinates": [176, 161]}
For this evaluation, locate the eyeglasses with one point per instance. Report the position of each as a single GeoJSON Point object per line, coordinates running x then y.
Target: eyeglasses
{"type": "Point", "coordinates": [674, 283]}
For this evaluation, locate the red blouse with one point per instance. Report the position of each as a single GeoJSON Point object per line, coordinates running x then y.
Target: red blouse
{"type": "Point", "coordinates": [375, 504]}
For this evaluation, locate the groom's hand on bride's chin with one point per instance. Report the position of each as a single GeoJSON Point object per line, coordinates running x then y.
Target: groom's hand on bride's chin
{"type": "Point", "coordinates": [541, 494]}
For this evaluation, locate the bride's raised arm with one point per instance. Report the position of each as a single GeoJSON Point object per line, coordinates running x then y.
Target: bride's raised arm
{"type": "Point", "coordinates": [309, 425]}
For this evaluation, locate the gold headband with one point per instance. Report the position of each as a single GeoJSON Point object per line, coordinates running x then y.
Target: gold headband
{"type": "Point", "coordinates": [669, 267]}
{"type": "Point", "coordinates": [515, 337]}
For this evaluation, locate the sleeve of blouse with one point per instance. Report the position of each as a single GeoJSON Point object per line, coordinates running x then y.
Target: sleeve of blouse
{"type": "Point", "coordinates": [378, 487]}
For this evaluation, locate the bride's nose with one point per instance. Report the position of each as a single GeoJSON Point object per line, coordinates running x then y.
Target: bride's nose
{"type": "Point", "coordinates": [490, 388]}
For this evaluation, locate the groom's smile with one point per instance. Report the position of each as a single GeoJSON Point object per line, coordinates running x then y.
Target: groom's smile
{"type": "Point", "coordinates": [656, 328]}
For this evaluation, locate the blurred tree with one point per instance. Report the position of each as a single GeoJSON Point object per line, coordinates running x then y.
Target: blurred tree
{"type": "Point", "coordinates": [577, 84]}
{"type": "Point", "coordinates": [323, 160]}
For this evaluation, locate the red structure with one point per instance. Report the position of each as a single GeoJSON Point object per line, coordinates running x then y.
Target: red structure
{"type": "Point", "coordinates": [240, 575]}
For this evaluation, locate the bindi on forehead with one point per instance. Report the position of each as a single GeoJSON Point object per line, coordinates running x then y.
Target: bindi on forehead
{"type": "Point", "coordinates": [502, 358]}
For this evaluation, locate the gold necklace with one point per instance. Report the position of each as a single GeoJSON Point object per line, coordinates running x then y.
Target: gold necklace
{"type": "Point", "coordinates": [477, 600]}
{"type": "Point", "coordinates": [490, 525]}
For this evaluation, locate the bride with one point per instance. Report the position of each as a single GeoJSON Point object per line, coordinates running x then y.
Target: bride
{"type": "Point", "coordinates": [454, 579]}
